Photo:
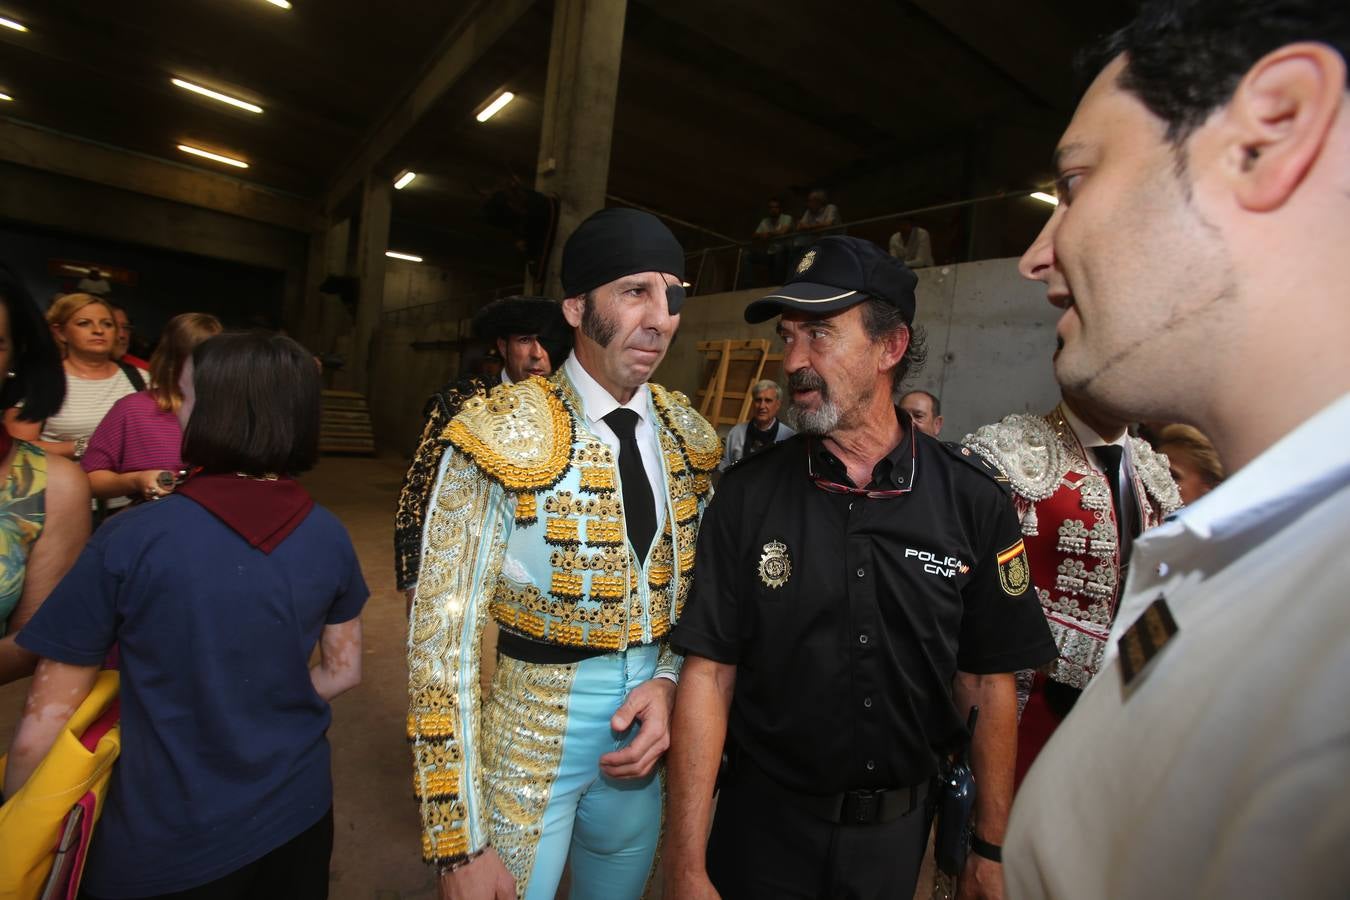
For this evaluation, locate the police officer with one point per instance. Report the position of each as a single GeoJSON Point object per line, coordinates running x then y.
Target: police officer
{"type": "Point", "coordinates": [860, 586]}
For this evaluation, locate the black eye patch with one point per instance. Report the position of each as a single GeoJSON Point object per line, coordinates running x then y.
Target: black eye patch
{"type": "Point", "coordinates": [675, 296]}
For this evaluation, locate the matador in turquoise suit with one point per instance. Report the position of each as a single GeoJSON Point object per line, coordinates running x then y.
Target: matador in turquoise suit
{"type": "Point", "coordinates": [566, 510]}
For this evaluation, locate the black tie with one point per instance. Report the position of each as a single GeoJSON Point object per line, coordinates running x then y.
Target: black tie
{"type": "Point", "coordinates": [639, 508]}
{"type": "Point", "coordinates": [1122, 498]}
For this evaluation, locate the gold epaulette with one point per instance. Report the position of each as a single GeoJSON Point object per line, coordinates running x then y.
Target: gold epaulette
{"type": "Point", "coordinates": [520, 435]}
{"type": "Point", "coordinates": [700, 444]}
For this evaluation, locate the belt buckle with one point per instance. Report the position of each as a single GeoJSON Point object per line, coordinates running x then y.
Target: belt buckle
{"type": "Point", "coordinates": [861, 807]}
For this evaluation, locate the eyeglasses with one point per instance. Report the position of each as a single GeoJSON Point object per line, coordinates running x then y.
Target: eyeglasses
{"type": "Point", "coordinates": [834, 487]}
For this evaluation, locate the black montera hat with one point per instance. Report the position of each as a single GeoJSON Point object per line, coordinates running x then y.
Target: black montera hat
{"type": "Point", "coordinates": [617, 242]}
{"type": "Point", "coordinates": [835, 273]}
{"type": "Point", "coordinates": [526, 315]}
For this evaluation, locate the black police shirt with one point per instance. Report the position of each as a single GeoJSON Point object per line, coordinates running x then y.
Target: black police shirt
{"type": "Point", "coordinates": [847, 617]}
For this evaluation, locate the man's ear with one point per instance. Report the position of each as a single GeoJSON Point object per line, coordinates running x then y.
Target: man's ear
{"type": "Point", "coordinates": [572, 308]}
{"type": "Point", "coordinates": [893, 347]}
{"type": "Point", "coordinates": [1279, 120]}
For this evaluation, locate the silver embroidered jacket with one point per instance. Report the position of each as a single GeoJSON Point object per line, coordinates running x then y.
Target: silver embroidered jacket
{"type": "Point", "coordinates": [1070, 529]}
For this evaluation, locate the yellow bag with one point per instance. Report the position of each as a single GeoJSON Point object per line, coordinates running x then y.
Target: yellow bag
{"type": "Point", "coordinates": [33, 820]}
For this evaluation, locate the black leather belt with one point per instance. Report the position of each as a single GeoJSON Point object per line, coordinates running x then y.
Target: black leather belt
{"type": "Point", "coordinates": [532, 651]}
{"type": "Point", "coordinates": [856, 807]}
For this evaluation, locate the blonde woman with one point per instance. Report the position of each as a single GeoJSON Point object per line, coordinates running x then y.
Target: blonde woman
{"type": "Point", "coordinates": [1195, 466]}
{"type": "Point", "coordinates": [86, 332]}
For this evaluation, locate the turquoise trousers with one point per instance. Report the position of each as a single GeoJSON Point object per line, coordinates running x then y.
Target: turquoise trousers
{"type": "Point", "coordinates": [545, 728]}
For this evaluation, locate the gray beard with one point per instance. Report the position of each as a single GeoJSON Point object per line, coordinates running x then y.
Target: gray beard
{"type": "Point", "coordinates": [818, 422]}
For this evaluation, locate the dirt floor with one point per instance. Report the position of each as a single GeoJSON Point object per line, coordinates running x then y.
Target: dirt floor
{"type": "Point", "coordinates": [376, 853]}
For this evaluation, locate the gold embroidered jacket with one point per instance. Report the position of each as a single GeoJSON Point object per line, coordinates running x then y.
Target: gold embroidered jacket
{"type": "Point", "coordinates": [526, 525]}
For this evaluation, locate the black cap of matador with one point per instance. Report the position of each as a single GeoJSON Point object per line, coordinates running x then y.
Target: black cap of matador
{"type": "Point", "coordinates": [617, 242]}
{"type": "Point", "coordinates": [526, 315]}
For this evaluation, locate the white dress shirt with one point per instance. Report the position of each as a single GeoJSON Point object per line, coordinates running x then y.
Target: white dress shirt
{"type": "Point", "coordinates": [1223, 769]}
{"type": "Point", "coordinates": [597, 403]}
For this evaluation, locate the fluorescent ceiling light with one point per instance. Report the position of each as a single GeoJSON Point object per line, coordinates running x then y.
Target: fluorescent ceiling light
{"type": "Point", "coordinates": [496, 106]}
{"type": "Point", "coordinates": [207, 154]}
{"type": "Point", "coordinates": [284, 4]}
{"type": "Point", "coordinates": [4, 96]}
{"type": "Point", "coordinates": [1045, 198]}
{"type": "Point", "coordinates": [404, 180]}
{"type": "Point", "coordinates": [10, 23]}
{"type": "Point", "coordinates": [216, 95]}
{"type": "Point", "coordinates": [393, 254]}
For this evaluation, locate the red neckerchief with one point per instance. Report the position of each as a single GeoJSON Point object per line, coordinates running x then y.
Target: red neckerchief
{"type": "Point", "coordinates": [261, 511]}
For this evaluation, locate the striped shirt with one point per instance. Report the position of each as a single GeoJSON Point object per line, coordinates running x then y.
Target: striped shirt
{"type": "Point", "coordinates": [134, 436]}
{"type": "Point", "coordinates": [87, 402]}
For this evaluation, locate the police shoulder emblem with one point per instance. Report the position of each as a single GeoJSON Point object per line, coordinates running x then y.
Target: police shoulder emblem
{"type": "Point", "coordinates": [1014, 575]}
{"type": "Point", "coordinates": [805, 264]}
{"type": "Point", "coordinates": [775, 566]}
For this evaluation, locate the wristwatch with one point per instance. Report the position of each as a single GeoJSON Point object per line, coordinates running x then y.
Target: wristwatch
{"type": "Point", "coordinates": [81, 445]}
{"type": "Point", "coordinates": [991, 852]}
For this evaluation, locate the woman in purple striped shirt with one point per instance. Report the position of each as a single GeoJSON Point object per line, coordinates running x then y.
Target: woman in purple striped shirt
{"type": "Point", "coordinates": [140, 436]}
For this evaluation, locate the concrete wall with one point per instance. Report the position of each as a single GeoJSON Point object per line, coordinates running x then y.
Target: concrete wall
{"type": "Point", "coordinates": [412, 354]}
{"type": "Point", "coordinates": [991, 334]}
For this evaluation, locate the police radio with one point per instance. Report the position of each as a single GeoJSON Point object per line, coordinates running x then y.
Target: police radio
{"type": "Point", "coordinates": [956, 806]}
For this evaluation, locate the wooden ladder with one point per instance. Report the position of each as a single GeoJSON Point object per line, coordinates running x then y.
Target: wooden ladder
{"type": "Point", "coordinates": [730, 370]}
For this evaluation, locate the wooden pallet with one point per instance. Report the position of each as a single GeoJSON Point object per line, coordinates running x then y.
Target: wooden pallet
{"type": "Point", "coordinates": [730, 369]}
{"type": "Point", "coordinates": [345, 424]}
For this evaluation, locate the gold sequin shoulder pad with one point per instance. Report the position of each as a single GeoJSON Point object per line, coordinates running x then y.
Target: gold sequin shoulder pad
{"type": "Point", "coordinates": [698, 441]}
{"type": "Point", "coordinates": [1156, 473]}
{"type": "Point", "coordinates": [520, 435]}
{"type": "Point", "coordinates": [1027, 450]}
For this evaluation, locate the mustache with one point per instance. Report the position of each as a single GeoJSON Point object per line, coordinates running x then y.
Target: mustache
{"type": "Point", "coordinates": [807, 380]}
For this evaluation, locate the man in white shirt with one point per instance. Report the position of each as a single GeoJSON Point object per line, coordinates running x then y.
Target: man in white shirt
{"type": "Point", "coordinates": [1198, 251]}
{"type": "Point", "coordinates": [912, 245]}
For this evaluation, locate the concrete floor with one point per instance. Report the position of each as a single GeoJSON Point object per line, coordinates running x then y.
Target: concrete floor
{"type": "Point", "coordinates": [376, 852]}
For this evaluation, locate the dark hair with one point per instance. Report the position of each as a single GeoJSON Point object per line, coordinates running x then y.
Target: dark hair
{"type": "Point", "coordinates": [257, 406]}
{"type": "Point", "coordinates": [39, 380]}
{"type": "Point", "coordinates": [881, 319]}
{"type": "Point", "coordinates": [184, 332]}
{"type": "Point", "coordinates": [937, 404]}
{"type": "Point", "coordinates": [1184, 58]}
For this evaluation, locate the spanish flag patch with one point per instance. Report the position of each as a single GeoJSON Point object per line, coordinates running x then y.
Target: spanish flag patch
{"type": "Point", "coordinates": [1014, 575]}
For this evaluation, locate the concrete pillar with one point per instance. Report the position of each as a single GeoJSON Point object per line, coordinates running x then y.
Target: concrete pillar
{"type": "Point", "coordinates": [307, 324]}
{"type": "Point", "coordinates": [372, 241]}
{"type": "Point", "coordinates": [574, 144]}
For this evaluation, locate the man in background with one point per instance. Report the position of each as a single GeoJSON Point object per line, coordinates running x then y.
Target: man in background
{"type": "Point", "coordinates": [925, 409]}
{"type": "Point", "coordinates": [763, 429]}
{"type": "Point", "coordinates": [532, 338]}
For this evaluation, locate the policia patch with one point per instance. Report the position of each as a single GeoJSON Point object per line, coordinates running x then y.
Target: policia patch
{"type": "Point", "coordinates": [1014, 575]}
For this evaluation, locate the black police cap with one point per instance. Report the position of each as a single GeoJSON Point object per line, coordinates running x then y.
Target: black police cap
{"type": "Point", "coordinates": [837, 272]}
